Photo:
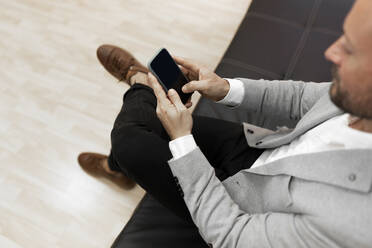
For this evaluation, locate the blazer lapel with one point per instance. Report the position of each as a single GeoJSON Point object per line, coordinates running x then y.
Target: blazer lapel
{"type": "Point", "coordinates": [323, 110]}
{"type": "Point", "coordinates": [350, 169]}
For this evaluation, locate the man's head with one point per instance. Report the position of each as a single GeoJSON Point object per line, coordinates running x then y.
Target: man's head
{"type": "Point", "coordinates": [351, 55]}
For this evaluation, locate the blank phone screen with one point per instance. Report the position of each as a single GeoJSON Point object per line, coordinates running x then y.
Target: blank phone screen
{"type": "Point", "coordinates": [169, 74]}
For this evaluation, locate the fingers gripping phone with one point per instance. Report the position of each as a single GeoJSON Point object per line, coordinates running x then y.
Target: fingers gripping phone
{"type": "Point", "coordinates": [168, 73]}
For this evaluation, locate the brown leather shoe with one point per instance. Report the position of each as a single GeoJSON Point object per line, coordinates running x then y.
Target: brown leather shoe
{"type": "Point", "coordinates": [119, 62]}
{"type": "Point", "coordinates": [93, 164]}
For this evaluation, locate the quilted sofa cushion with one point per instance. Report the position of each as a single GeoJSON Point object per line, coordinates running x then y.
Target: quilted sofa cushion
{"type": "Point", "coordinates": [280, 40]}
{"type": "Point", "coordinates": [285, 39]}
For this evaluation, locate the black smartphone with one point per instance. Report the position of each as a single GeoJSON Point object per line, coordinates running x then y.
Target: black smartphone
{"type": "Point", "coordinates": [168, 73]}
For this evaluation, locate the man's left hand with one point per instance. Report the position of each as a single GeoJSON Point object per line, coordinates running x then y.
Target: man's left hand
{"type": "Point", "coordinates": [172, 113]}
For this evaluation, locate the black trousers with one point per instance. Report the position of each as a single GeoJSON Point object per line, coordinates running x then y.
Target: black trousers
{"type": "Point", "coordinates": [140, 148]}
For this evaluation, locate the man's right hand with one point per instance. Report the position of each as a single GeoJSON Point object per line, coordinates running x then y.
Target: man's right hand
{"type": "Point", "coordinates": [203, 80]}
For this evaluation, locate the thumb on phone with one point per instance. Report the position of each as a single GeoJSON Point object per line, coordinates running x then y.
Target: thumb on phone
{"type": "Point", "coordinates": [194, 86]}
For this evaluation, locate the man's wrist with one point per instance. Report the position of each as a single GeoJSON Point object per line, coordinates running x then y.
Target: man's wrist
{"type": "Point", "coordinates": [235, 95]}
{"type": "Point", "coordinates": [225, 89]}
{"type": "Point", "coordinates": [179, 135]}
{"type": "Point", "coordinates": [182, 145]}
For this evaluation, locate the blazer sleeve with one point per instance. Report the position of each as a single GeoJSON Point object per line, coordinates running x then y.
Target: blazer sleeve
{"type": "Point", "coordinates": [223, 224]}
{"type": "Point", "coordinates": [279, 101]}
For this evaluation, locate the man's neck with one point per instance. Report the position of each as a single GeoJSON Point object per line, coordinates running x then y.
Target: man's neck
{"type": "Point", "coordinates": [364, 125]}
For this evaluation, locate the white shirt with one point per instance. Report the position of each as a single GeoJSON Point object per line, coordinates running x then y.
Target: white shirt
{"type": "Point", "coordinates": [333, 134]}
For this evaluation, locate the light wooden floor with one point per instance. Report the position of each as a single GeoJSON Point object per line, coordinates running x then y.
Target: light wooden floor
{"type": "Point", "coordinates": [57, 101]}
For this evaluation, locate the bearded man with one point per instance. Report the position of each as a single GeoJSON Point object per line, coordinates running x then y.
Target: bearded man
{"type": "Point", "coordinates": [244, 185]}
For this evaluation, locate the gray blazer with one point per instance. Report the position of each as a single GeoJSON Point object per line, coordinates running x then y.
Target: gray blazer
{"type": "Point", "coordinates": [320, 199]}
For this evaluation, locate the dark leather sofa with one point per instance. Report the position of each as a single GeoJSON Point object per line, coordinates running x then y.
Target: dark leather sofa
{"type": "Point", "coordinates": [277, 39]}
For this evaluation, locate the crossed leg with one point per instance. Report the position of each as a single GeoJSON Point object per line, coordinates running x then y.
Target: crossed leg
{"type": "Point", "coordinates": [140, 148]}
